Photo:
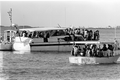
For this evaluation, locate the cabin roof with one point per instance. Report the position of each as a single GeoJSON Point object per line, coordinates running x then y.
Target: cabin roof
{"type": "Point", "coordinates": [41, 29]}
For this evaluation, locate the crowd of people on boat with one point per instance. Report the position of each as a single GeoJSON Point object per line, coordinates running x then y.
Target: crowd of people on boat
{"type": "Point", "coordinates": [93, 50]}
{"type": "Point", "coordinates": [72, 34]}
{"type": "Point", "coordinates": [85, 33]}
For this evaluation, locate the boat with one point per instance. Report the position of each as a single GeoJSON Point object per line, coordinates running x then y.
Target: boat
{"type": "Point", "coordinates": [44, 39]}
{"type": "Point", "coordinates": [6, 41]}
{"type": "Point", "coordinates": [93, 59]}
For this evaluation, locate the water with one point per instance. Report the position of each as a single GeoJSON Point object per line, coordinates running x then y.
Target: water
{"type": "Point", "coordinates": [52, 66]}
{"type": "Point", "coordinates": [55, 65]}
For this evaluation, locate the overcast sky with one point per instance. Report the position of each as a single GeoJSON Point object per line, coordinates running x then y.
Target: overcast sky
{"type": "Point", "coordinates": [92, 13]}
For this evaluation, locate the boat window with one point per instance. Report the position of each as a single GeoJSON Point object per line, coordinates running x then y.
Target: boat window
{"type": "Point", "coordinates": [21, 33]}
{"type": "Point", "coordinates": [34, 34]}
{"type": "Point", "coordinates": [40, 34]}
{"type": "Point", "coordinates": [52, 32]}
{"type": "Point", "coordinates": [57, 33]}
{"type": "Point", "coordinates": [37, 34]}
{"type": "Point", "coordinates": [30, 35]}
{"type": "Point", "coordinates": [61, 32]}
{"type": "Point", "coordinates": [24, 33]}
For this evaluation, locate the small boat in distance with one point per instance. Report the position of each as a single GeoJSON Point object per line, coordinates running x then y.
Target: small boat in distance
{"type": "Point", "coordinates": [6, 41]}
{"type": "Point", "coordinates": [94, 52]}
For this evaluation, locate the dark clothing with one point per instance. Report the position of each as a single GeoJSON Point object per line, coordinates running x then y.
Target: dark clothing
{"type": "Point", "coordinates": [104, 48]}
{"type": "Point", "coordinates": [96, 35]}
{"type": "Point", "coordinates": [45, 39]}
{"type": "Point", "coordinates": [110, 47]}
{"type": "Point", "coordinates": [46, 36]}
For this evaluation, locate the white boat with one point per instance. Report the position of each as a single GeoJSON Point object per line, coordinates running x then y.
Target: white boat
{"type": "Point", "coordinates": [93, 59]}
{"type": "Point", "coordinates": [57, 40]}
{"type": "Point", "coordinates": [6, 42]}
{"type": "Point", "coordinates": [5, 46]}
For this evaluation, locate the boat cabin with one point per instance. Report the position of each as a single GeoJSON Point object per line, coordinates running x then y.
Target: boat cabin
{"type": "Point", "coordinates": [8, 37]}
{"type": "Point", "coordinates": [48, 35]}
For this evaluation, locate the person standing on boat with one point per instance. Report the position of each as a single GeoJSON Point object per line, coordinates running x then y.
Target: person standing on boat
{"type": "Point", "coordinates": [94, 36]}
{"type": "Point", "coordinates": [84, 50]}
{"type": "Point", "coordinates": [97, 35]}
{"type": "Point", "coordinates": [94, 50]}
{"type": "Point", "coordinates": [110, 50]}
{"type": "Point", "coordinates": [82, 33]}
{"type": "Point", "coordinates": [81, 50]}
{"type": "Point", "coordinates": [105, 53]}
{"type": "Point", "coordinates": [72, 36]}
{"type": "Point", "coordinates": [91, 50]}
{"type": "Point", "coordinates": [46, 36]}
{"type": "Point", "coordinates": [79, 31]}
{"type": "Point", "coordinates": [85, 34]}
{"type": "Point", "coordinates": [74, 51]}
{"type": "Point", "coordinates": [1, 38]}
{"type": "Point", "coordinates": [76, 31]}
{"type": "Point", "coordinates": [88, 51]}
{"type": "Point", "coordinates": [100, 50]}
{"type": "Point", "coordinates": [90, 35]}
{"type": "Point", "coordinates": [116, 46]}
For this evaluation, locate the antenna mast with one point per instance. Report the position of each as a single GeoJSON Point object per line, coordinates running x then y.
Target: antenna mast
{"type": "Point", "coordinates": [10, 15]}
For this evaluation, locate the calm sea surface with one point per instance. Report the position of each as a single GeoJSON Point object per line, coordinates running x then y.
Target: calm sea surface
{"type": "Point", "coordinates": [55, 65]}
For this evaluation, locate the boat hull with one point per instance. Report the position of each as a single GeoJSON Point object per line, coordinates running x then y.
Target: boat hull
{"type": "Point", "coordinates": [63, 46]}
{"type": "Point", "coordinates": [21, 47]}
{"type": "Point", "coordinates": [27, 44]}
{"type": "Point", "coordinates": [93, 60]}
{"type": "Point", "coordinates": [6, 46]}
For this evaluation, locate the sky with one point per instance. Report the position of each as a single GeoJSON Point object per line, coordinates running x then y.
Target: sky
{"type": "Point", "coordinates": [87, 13]}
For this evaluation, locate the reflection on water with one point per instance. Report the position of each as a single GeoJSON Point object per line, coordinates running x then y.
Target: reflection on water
{"type": "Point", "coordinates": [21, 52]}
{"type": "Point", "coordinates": [2, 75]}
{"type": "Point", "coordinates": [1, 61]}
{"type": "Point", "coordinates": [51, 66]}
